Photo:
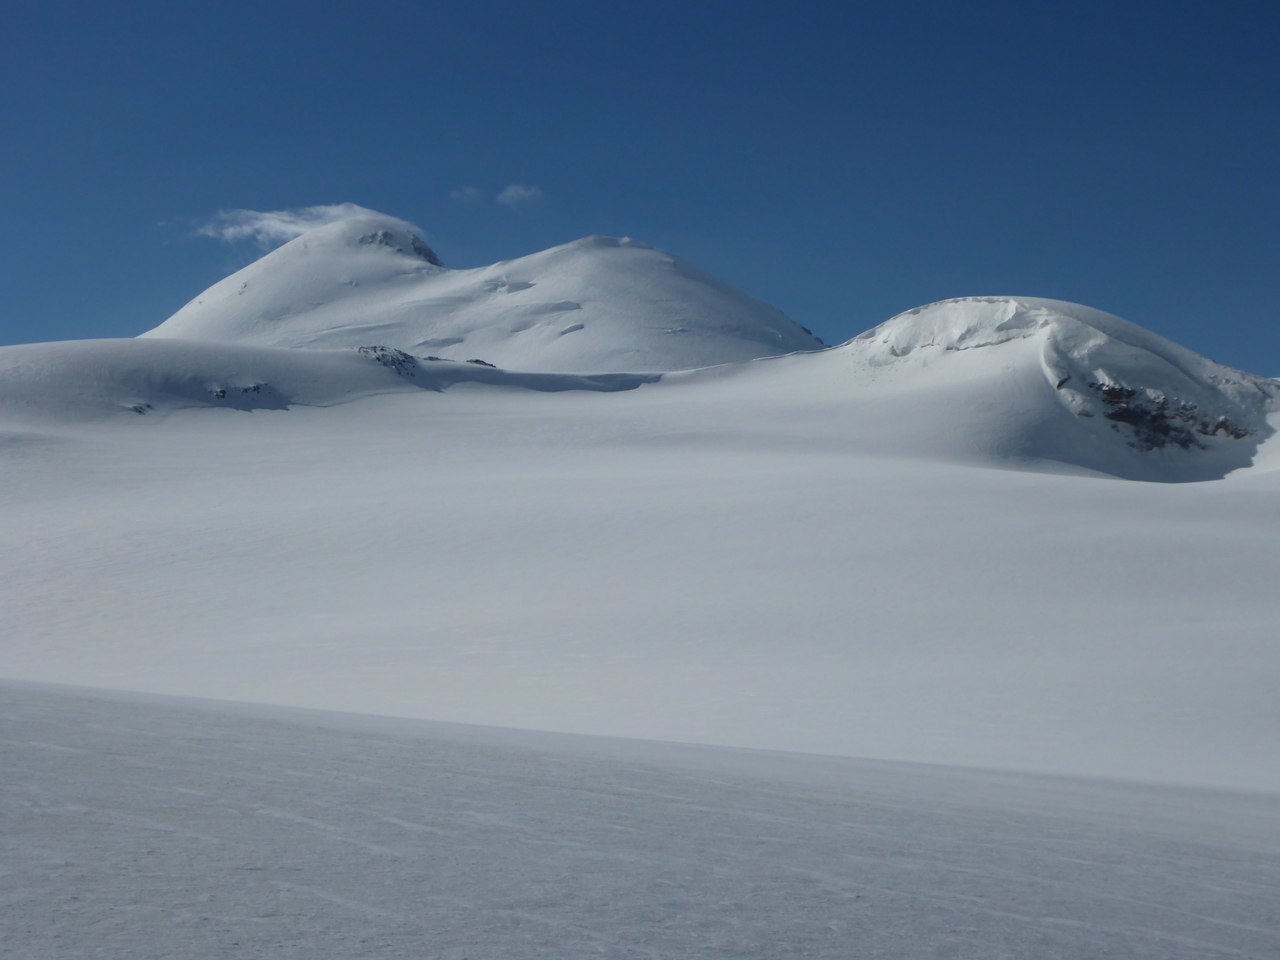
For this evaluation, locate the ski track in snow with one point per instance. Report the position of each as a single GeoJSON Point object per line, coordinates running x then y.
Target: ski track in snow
{"type": "Point", "coordinates": [165, 828]}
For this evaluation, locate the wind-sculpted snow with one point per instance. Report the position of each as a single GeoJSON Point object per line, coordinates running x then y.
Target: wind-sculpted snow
{"type": "Point", "coordinates": [595, 305]}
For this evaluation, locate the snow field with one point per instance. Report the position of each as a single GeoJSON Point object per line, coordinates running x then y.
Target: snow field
{"type": "Point", "coordinates": [684, 562]}
{"type": "Point", "coordinates": [167, 828]}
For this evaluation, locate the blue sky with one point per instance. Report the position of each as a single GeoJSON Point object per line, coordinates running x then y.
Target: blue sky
{"type": "Point", "coordinates": [843, 161]}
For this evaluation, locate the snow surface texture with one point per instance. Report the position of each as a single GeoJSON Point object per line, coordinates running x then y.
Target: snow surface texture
{"type": "Point", "coordinates": [159, 829]}
{"type": "Point", "coordinates": [598, 304]}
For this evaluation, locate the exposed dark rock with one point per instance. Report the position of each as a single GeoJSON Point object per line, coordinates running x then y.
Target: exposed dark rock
{"type": "Point", "coordinates": [1158, 421]}
{"type": "Point", "coordinates": [403, 364]}
{"type": "Point", "coordinates": [385, 238]}
{"type": "Point", "coordinates": [425, 252]}
{"type": "Point", "coordinates": [221, 393]}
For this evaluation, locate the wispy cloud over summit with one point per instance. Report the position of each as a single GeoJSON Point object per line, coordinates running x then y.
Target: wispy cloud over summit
{"type": "Point", "coordinates": [268, 228]}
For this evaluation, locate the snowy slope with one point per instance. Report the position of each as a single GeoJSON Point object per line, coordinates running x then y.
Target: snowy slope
{"type": "Point", "coordinates": [809, 553]}
{"type": "Point", "coordinates": [598, 304]}
{"type": "Point", "coordinates": [166, 828]}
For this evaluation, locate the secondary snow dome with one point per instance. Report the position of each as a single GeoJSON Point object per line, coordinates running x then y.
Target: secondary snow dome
{"type": "Point", "coordinates": [1057, 381]}
{"type": "Point", "coordinates": [598, 304]}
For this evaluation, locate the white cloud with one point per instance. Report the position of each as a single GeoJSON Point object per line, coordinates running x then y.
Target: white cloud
{"type": "Point", "coordinates": [518, 195]}
{"type": "Point", "coordinates": [270, 227]}
{"type": "Point", "coordinates": [466, 194]}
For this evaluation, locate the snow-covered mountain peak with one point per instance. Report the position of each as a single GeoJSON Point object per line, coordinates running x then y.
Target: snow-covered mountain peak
{"type": "Point", "coordinates": [599, 304]}
{"type": "Point", "coordinates": [370, 231]}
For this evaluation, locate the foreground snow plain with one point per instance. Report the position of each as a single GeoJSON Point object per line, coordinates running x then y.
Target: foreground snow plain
{"type": "Point", "coordinates": [996, 533]}
{"type": "Point", "coordinates": [157, 828]}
